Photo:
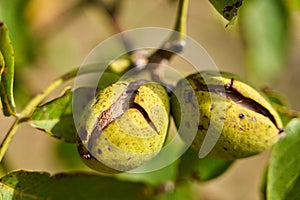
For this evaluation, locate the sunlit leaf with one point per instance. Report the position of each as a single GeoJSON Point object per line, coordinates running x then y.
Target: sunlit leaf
{"type": "Point", "coordinates": [283, 181]}
{"type": "Point", "coordinates": [201, 169]}
{"type": "Point", "coordinates": [7, 75]}
{"type": "Point", "coordinates": [265, 29]}
{"type": "Point", "coordinates": [227, 8]}
{"type": "Point", "coordinates": [40, 185]}
{"type": "Point", "coordinates": [55, 117]}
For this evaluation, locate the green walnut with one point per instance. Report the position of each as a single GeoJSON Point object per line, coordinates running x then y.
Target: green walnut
{"type": "Point", "coordinates": [124, 126]}
{"type": "Point", "coordinates": [246, 121]}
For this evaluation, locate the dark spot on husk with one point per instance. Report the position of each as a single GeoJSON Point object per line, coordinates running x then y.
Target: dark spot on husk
{"type": "Point", "coordinates": [188, 97]}
{"type": "Point", "coordinates": [99, 151]}
{"type": "Point", "coordinates": [242, 115]}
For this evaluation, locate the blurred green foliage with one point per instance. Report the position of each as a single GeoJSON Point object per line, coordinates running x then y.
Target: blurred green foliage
{"type": "Point", "coordinates": [265, 27]}
{"type": "Point", "coordinates": [265, 31]}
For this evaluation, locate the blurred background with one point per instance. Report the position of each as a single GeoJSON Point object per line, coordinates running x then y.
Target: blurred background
{"type": "Point", "coordinates": [51, 38]}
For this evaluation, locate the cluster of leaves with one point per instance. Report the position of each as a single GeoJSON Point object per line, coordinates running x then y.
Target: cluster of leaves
{"type": "Point", "coordinates": [173, 182]}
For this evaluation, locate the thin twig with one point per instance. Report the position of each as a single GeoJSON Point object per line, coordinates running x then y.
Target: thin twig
{"type": "Point", "coordinates": [173, 45]}
{"type": "Point", "coordinates": [7, 139]}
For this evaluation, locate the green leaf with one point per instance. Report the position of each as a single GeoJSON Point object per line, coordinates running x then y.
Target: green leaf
{"type": "Point", "coordinates": [294, 192]}
{"type": "Point", "coordinates": [265, 29]}
{"type": "Point", "coordinates": [7, 75]}
{"type": "Point", "coordinates": [227, 8]}
{"type": "Point", "coordinates": [283, 181]}
{"type": "Point", "coordinates": [18, 15]}
{"type": "Point", "coordinates": [55, 118]}
{"type": "Point", "coordinates": [40, 185]}
{"type": "Point", "coordinates": [201, 169]}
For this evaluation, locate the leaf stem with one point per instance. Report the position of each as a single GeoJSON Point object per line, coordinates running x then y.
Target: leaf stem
{"type": "Point", "coordinates": [6, 141]}
{"type": "Point", "coordinates": [30, 107]}
{"type": "Point", "coordinates": [174, 44]}
{"type": "Point", "coordinates": [176, 41]}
